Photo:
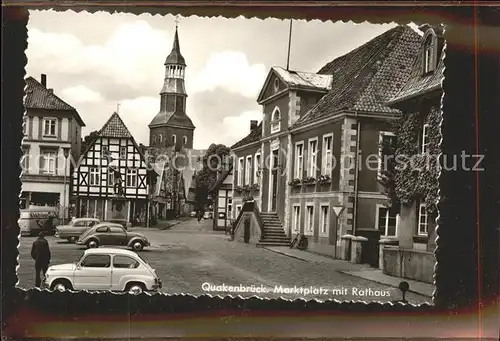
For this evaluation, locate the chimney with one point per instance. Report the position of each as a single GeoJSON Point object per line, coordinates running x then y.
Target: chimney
{"type": "Point", "coordinates": [44, 80]}
{"type": "Point", "coordinates": [51, 91]}
{"type": "Point", "coordinates": [253, 125]}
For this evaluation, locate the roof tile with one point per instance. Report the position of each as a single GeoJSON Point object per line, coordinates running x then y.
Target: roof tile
{"type": "Point", "coordinates": [365, 78]}
{"type": "Point", "coordinates": [39, 97]}
{"type": "Point", "coordinates": [115, 127]}
{"type": "Point", "coordinates": [418, 83]}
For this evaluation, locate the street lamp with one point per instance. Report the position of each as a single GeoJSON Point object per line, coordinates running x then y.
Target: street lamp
{"type": "Point", "coordinates": [66, 151]}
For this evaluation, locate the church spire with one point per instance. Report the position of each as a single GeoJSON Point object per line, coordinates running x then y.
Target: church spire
{"type": "Point", "coordinates": [175, 57]}
{"type": "Point", "coordinates": [172, 127]}
{"type": "Point", "coordinates": [175, 67]}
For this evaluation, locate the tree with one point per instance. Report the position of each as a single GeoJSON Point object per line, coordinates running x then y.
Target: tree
{"type": "Point", "coordinates": [388, 172]}
{"type": "Point", "coordinates": [87, 140]}
{"type": "Point", "coordinates": [215, 158]}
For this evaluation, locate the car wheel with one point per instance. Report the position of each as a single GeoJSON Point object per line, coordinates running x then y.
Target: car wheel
{"type": "Point", "coordinates": [137, 246]}
{"type": "Point", "coordinates": [92, 244]}
{"type": "Point", "coordinates": [61, 285]}
{"type": "Point", "coordinates": [135, 289]}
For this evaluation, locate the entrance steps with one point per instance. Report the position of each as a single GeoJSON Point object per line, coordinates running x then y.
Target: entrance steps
{"type": "Point", "coordinates": [273, 233]}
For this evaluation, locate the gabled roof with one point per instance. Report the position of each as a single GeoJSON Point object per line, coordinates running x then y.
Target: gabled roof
{"type": "Point", "coordinates": [221, 178]}
{"type": "Point", "coordinates": [254, 136]}
{"type": "Point", "coordinates": [367, 77]}
{"type": "Point", "coordinates": [115, 127]}
{"type": "Point", "coordinates": [39, 97]}
{"type": "Point", "coordinates": [418, 84]}
{"type": "Point", "coordinates": [297, 79]}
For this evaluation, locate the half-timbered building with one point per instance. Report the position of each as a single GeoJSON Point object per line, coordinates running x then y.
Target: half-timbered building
{"type": "Point", "coordinates": [222, 195]}
{"type": "Point", "coordinates": [111, 179]}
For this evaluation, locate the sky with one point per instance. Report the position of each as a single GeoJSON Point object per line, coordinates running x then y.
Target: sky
{"type": "Point", "coordinates": [96, 62]}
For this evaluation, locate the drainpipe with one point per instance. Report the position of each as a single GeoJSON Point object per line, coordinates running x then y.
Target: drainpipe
{"type": "Point", "coordinates": [358, 137]}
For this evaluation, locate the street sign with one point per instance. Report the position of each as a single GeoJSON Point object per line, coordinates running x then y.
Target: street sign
{"type": "Point", "coordinates": [338, 210]}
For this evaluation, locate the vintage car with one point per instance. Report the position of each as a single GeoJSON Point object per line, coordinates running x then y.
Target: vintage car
{"type": "Point", "coordinates": [104, 269]}
{"type": "Point", "coordinates": [112, 234]}
{"type": "Point", "coordinates": [207, 215]}
{"type": "Point", "coordinates": [75, 228]}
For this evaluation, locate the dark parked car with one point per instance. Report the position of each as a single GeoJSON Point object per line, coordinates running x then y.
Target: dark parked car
{"type": "Point", "coordinates": [75, 228]}
{"type": "Point", "coordinates": [112, 234]}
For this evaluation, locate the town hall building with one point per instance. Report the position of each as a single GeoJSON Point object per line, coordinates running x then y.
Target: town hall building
{"type": "Point", "coordinates": [312, 165]}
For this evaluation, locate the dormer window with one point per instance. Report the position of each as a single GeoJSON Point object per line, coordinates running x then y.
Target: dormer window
{"type": "Point", "coordinates": [153, 139]}
{"type": "Point", "coordinates": [174, 139]}
{"type": "Point", "coordinates": [275, 121]}
{"type": "Point", "coordinates": [160, 138]}
{"type": "Point", "coordinates": [429, 52]}
{"type": "Point", "coordinates": [184, 140]}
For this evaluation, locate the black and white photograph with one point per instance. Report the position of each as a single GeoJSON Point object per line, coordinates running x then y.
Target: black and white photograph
{"type": "Point", "coordinates": [231, 157]}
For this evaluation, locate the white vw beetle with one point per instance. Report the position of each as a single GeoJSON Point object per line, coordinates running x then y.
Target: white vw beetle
{"type": "Point", "coordinates": [104, 269]}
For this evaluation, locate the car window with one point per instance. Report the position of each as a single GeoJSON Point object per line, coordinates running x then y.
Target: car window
{"type": "Point", "coordinates": [116, 229]}
{"type": "Point", "coordinates": [79, 223]}
{"type": "Point", "coordinates": [92, 223]}
{"type": "Point", "coordinates": [102, 229]}
{"type": "Point", "coordinates": [124, 262]}
{"type": "Point", "coordinates": [96, 261]}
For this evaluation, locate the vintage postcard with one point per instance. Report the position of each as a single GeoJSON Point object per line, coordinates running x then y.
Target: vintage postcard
{"type": "Point", "coordinates": [231, 157]}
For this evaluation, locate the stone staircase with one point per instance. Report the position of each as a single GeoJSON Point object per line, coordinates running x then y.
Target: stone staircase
{"type": "Point", "coordinates": [273, 233]}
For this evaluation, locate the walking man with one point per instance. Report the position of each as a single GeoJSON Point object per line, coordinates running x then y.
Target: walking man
{"type": "Point", "coordinates": [200, 215]}
{"type": "Point", "coordinates": [40, 252]}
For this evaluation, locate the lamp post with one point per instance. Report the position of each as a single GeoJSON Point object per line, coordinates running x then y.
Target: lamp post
{"type": "Point", "coordinates": [66, 151]}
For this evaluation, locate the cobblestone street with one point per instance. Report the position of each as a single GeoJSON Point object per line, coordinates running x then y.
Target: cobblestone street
{"type": "Point", "coordinates": [190, 255]}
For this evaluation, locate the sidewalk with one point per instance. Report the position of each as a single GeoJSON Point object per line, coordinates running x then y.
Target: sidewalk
{"type": "Point", "coordinates": [160, 225]}
{"type": "Point", "coordinates": [166, 224]}
{"type": "Point", "coordinates": [358, 270]}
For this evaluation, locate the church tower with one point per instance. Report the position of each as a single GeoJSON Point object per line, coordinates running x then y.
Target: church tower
{"type": "Point", "coordinates": [171, 127]}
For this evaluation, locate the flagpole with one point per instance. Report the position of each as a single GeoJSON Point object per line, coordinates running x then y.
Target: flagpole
{"type": "Point", "coordinates": [289, 44]}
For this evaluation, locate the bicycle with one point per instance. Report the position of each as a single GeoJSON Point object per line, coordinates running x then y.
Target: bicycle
{"type": "Point", "coordinates": [301, 242]}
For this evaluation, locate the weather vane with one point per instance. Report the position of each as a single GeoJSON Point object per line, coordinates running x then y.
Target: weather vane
{"type": "Point", "coordinates": [176, 20]}
{"type": "Point", "coordinates": [117, 108]}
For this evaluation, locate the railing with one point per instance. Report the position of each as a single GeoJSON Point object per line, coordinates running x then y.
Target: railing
{"type": "Point", "coordinates": [256, 211]}
{"type": "Point", "coordinates": [249, 206]}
